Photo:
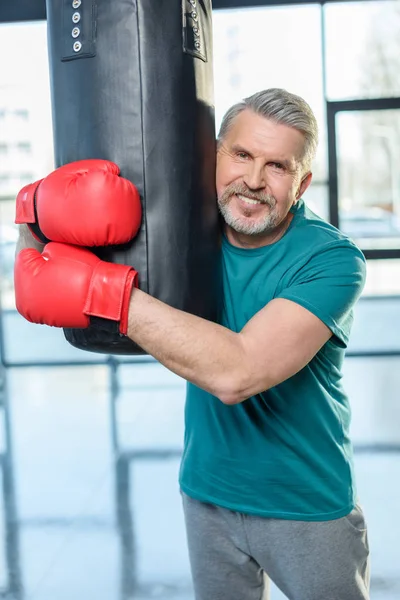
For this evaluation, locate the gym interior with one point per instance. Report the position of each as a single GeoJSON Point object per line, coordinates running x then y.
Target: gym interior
{"type": "Point", "coordinates": [91, 443]}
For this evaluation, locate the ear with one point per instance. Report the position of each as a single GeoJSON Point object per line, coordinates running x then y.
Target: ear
{"type": "Point", "coordinates": [304, 185]}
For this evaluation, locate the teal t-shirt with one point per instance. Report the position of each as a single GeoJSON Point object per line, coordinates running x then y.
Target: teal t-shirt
{"type": "Point", "coordinates": [286, 452]}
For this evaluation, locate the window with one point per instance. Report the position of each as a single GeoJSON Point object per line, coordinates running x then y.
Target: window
{"type": "Point", "coordinates": [26, 178]}
{"type": "Point", "coordinates": [362, 49]}
{"type": "Point", "coordinates": [368, 149]}
{"type": "Point", "coordinates": [24, 147]}
{"type": "Point", "coordinates": [21, 114]}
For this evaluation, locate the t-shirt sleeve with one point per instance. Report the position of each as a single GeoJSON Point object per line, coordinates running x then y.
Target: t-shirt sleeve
{"type": "Point", "coordinates": [328, 284]}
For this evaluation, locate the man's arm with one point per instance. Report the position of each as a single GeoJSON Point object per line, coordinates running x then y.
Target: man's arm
{"type": "Point", "coordinates": [275, 344]}
{"type": "Point", "coordinates": [26, 240]}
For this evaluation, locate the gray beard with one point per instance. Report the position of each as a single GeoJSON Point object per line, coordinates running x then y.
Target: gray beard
{"type": "Point", "coordinates": [246, 227]}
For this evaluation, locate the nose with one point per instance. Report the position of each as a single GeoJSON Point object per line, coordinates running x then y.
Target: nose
{"type": "Point", "coordinates": [254, 178]}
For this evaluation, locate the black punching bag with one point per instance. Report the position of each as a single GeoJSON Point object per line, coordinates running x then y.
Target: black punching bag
{"type": "Point", "coordinates": [131, 82]}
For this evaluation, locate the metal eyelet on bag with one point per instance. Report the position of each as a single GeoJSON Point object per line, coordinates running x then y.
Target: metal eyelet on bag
{"type": "Point", "coordinates": [77, 46]}
{"type": "Point", "coordinates": [194, 40]}
{"type": "Point", "coordinates": [76, 17]}
{"type": "Point", "coordinates": [75, 32]}
{"type": "Point", "coordinates": [76, 3]}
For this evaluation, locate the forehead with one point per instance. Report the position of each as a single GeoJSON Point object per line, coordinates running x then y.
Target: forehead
{"type": "Point", "coordinates": [260, 136]}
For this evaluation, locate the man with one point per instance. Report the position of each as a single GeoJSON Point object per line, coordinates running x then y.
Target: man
{"type": "Point", "coordinates": [267, 475]}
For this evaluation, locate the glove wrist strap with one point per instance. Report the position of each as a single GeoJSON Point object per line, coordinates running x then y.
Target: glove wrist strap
{"type": "Point", "coordinates": [109, 293]}
{"type": "Point", "coordinates": [132, 281]}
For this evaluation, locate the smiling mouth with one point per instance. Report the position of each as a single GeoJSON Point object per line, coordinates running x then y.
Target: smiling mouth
{"type": "Point", "coordinates": [248, 200]}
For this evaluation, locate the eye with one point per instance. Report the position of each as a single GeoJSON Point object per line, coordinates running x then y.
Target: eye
{"type": "Point", "coordinates": [242, 154]}
{"type": "Point", "coordinates": [278, 165]}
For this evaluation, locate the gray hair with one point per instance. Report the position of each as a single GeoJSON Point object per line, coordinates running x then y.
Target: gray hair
{"type": "Point", "coordinates": [282, 107]}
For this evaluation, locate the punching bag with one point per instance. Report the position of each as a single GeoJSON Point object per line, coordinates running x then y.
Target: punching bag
{"type": "Point", "coordinates": [131, 82]}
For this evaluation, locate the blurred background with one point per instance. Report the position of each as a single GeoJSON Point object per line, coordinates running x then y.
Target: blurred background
{"type": "Point", "coordinates": [90, 444]}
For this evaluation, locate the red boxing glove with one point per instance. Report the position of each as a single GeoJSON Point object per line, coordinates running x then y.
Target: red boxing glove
{"type": "Point", "coordinates": [84, 203]}
{"type": "Point", "coordinates": [66, 285]}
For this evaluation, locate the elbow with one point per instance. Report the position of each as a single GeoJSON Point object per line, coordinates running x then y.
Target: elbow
{"type": "Point", "coordinates": [241, 387]}
{"type": "Point", "coordinates": [231, 392]}
{"type": "Point", "coordinates": [230, 399]}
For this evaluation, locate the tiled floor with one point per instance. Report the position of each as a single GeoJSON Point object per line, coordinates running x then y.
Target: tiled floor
{"type": "Point", "coordinates": [86, 527]}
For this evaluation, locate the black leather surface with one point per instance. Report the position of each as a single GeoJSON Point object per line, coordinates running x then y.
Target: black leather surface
{"type": "Point", "coordinates": [140, 93]}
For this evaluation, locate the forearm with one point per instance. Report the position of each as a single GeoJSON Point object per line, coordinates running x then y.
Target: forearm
{"type": "Point", "coordinates": [198, 350]}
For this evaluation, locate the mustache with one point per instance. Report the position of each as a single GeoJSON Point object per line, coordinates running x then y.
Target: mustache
{"type": "Point", "coordinates": [243, 190]}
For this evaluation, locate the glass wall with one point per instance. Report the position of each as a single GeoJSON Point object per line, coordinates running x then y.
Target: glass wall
{"type": "Point", "coordinates": [368, 148]}
{"type": "Point", "coordinates": [362, 65]}
{"type": "Point", "coordinates": [26, 146]}
{"type": "Point", "coordinates": [362, 49]}
{"type": "Point", "coordinates": [91, 445]}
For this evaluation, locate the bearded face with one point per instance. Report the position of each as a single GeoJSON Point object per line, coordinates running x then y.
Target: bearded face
{"type": "Point", "coordinates": [248, 220]}
{"type": "Point", "coordinates": [259, 178]}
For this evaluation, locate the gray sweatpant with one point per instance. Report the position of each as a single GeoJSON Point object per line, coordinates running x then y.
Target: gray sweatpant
{"type": "Point", "coordinates": [232, 555]}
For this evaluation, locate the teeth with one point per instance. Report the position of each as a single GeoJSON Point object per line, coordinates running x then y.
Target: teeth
{"type": "Point", "coordinates": [248, 200]}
